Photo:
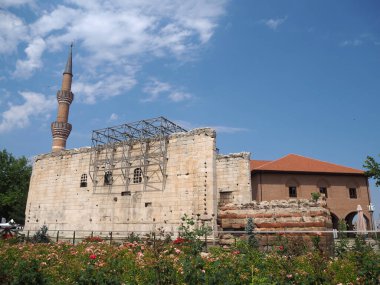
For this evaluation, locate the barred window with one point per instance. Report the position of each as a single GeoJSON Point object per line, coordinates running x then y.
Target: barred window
{"type": "Point", "coordinates": [137, 175]}
{"type": "Point", "coordinates": [108, 178]}
{"type": "Point", "coordinates": [353, 193]}
{"type": "Point", "coordinates": [83, 180]}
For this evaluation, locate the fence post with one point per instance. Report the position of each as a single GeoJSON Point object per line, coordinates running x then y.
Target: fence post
{"type": "Point", "coordinates": [92, 234]}
{"type": "Point", "coordinates": [57, 236]}
{"type": "Point", "coordinates": [27, 237]}
{"type": "Point", "coordinates": [110, 237]}
{"type": "Point", "coordinates": [206, 241]}
{"type": "Point", "coordinates": [74, 238]}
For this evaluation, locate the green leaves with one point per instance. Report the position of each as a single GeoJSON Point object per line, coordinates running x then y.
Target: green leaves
{"type": "Point", "coordinates": [14, 184]}
{"type": "Point", "coordinates": [373, 169]}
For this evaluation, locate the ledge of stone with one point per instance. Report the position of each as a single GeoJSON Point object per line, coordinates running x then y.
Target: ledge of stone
{"type": "Point", "coordinates": [244, 155]}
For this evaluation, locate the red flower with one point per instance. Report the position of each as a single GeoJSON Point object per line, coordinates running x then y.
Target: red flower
{"type": "Point", "coordinates": [236, 252]}
{"type": "Point", "coordinates": [281, 247]}
{"type": "Point", "coordinates": [179, 240]}
{"type": "Point", "coordinates": [92, 256]}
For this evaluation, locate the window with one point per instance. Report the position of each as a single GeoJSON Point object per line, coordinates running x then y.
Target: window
{"type": "Point", "coordinates": [137, 175]}
{"type": "Point", "coordinates": [353, 194]}
{"type": "Point", "coordinates": [323, 190]}
{"type": "Point", "coordinates": [83, 180]}
{"type": "Point", "coordinates": [292, 191]}
{"type": "Point", "coordinates": [108, 178]}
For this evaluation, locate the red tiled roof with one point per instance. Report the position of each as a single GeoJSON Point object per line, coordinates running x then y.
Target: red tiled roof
{"type": "Point", "coordinates": [257, 163]}
{"type": "Point", "coordinates": [298, 163]}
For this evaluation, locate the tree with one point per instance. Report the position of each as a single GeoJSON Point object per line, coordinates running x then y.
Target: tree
{"type": "Point", "coordinates": [14, 184]}
{"type": "Point", "coordinates": [373, 169]}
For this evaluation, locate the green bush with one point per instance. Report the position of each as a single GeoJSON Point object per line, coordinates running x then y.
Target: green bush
{"type": "Point", "coordinates": [156, 260]}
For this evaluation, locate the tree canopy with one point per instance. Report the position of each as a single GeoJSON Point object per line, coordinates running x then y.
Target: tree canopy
{"type": "Point", "coordinates": [14, 185]}
{"type": "Point", "coordinates": [373, 169]}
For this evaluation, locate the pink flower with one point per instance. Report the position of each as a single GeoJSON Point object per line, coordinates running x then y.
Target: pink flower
{"type": "Point", "coordinates": [92, 256]}
{"type": "Point", "coordinates": [236, 252]}
{"type": "Point", "coordinates": [177, 251]}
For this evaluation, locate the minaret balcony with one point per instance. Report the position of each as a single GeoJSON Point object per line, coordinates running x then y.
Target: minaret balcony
{"type": "Point", "coordinates": [64, 96]}
{"type": "Point", "coordinates": [60, 129]}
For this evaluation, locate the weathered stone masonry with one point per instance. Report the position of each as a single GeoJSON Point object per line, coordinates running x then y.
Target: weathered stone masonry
{"type": "Point", "coordinates": [57, 200]}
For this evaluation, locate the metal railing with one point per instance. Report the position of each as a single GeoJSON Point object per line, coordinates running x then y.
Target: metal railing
{"type": "Point", "coordinates": [266, 239]}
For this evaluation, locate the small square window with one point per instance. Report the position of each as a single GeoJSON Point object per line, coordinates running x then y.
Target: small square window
{"type": "Point", "coordinates": [323, 190]}
{"type": "Point", "coordinates": [353, 193]}
{"type": "Point", "coordinates": [292, 191]}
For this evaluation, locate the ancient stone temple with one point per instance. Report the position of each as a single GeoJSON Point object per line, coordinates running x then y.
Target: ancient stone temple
{"type": "Point", "coordinates": [145, 175]}
{"type": "Point", "coordinates": [136, 177]}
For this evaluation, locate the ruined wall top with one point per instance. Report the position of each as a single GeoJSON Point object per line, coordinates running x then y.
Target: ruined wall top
{"type": "Point", "coordinates": [206, 131]}
{"type": "Point", "coordinates": [296, 204]}
{"type": "Point", "coordinates": [244, 155]}
{"type": "Point", "coordinates": [198, 131]}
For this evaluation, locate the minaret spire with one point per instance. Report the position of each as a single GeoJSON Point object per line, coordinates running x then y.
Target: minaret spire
{"type": "Point", "coordinates": [69, 64]}
{"type": "Point", "coordinates": [61, 128]}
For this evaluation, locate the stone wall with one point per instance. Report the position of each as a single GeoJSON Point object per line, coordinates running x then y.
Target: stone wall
{"type": "Point", "coordinates": [57, 199]}
{"type": "Point", "coordinates": [276, 215]}
{"type": "Point", "coordinates": [233, 178]}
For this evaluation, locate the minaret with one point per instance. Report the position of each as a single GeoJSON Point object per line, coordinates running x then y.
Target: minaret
{"type": "Point", "coordinates": [61, 128]}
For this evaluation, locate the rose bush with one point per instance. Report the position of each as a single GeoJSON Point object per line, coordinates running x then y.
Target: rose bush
{"type": "Point", "coordinates": [162, 262]}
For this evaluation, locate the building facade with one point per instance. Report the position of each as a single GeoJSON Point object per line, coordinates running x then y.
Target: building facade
{"type": "Point", "coordinates": [296, 177]}
{"type": "Point", "coordinates": [136, 186]}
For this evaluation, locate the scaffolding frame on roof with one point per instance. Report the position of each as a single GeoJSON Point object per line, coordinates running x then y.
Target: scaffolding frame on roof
{"type": "Point", "coordinates": [137, 145]}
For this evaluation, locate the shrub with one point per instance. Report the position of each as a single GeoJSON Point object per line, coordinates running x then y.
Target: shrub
{"type": "Point", "coordinates": [249, 229]}
{"type": "Point", "coordinates": [315, 196]}
{"type": "Point", "coordinates": [41, 235]}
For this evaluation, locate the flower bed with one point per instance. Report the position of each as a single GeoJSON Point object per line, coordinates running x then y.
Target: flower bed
{"type": "Point", "coordinates": [157, 261]}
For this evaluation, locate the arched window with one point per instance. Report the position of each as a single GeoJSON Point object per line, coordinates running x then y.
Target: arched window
{"type": "Point", "coordinates": [108, 178]}
{"type": "Point", "coordinates": [83, 180]}
{"type": "Point", "coordinates": [292, 185]}
{"type": "Point", "coordinates": [137, 175]}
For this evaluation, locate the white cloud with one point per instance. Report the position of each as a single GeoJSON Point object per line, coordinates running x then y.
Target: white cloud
{"type": "Point", "coordinates": [12, 31]}
{"type": "Point", "coordinates": [178, 96]}
{"type": "Point", "coordinates": [104, 87]}
{"type": "Point", "coordinates": [10, 3]}
{"type": "Point", "coordinates": [363, 39]}
{"type": "Point", "coordinates": [113, 117]}
{"type": "Point", "coordinates": [19, 116]}
{"type": "Point", "coordinates": [156, 88]}
{"type": "Point", "coordinates": [274, 23]}
{"type": "Point", "coordinates": [353, 43]}
{"type": "Point", "coordinates": [54, 21]}
{"type": "Point", "coordinates": [120, 33]}
{"type": "Point", "coordinates": [25, 68]}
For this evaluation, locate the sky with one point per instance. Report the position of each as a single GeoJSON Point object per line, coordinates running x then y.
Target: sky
{"type": "Point", "coordinates": [272, 77]}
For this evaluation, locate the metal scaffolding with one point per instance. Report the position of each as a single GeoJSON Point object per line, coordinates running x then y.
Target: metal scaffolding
{"type": "Point", "coordinates": [131, 154]}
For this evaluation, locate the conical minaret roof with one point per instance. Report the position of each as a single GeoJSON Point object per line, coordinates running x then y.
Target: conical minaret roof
{"type": "Point", "coordinates": [69, 64]}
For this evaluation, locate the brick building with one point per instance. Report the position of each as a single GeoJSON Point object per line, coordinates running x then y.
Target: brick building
{"type": "Point", "coordinates": [295, 176]}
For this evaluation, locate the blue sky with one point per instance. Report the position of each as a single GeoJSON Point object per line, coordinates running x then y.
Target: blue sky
{"type": "Point", "coordinates": [273, 77]}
